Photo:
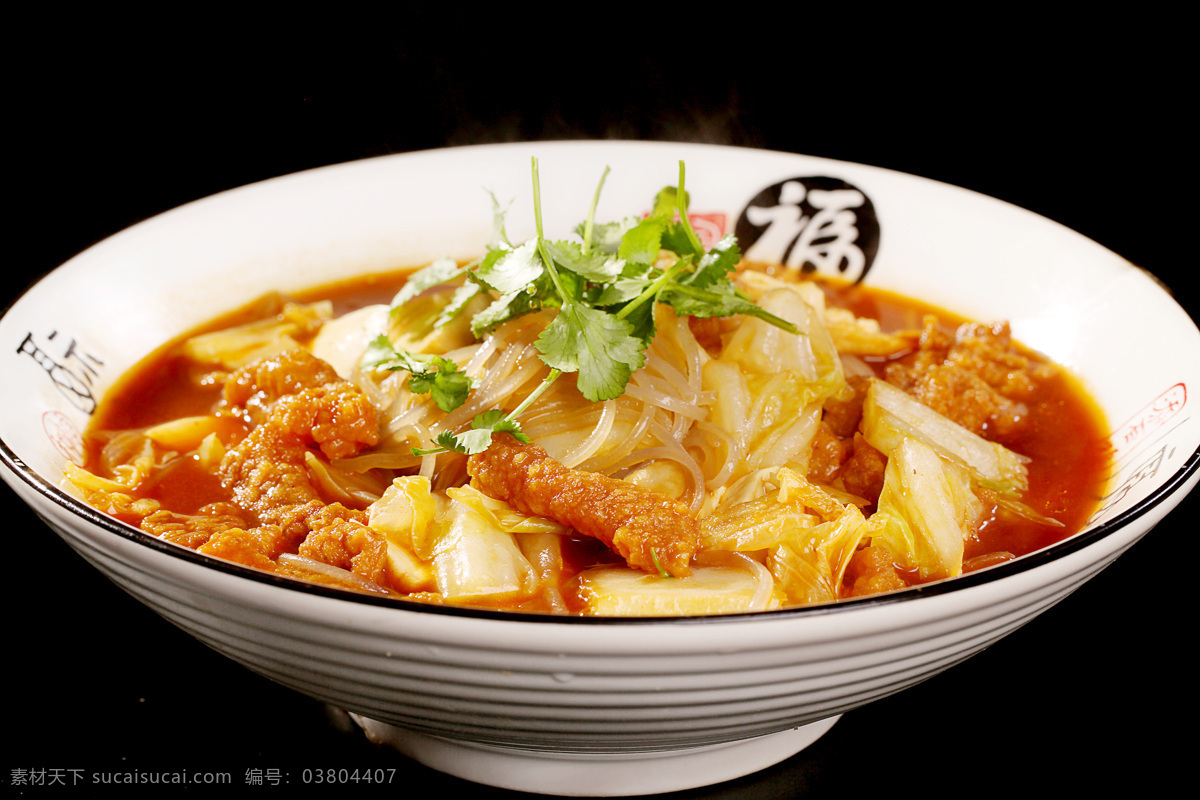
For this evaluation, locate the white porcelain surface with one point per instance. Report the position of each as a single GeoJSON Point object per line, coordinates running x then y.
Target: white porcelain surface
{"type": "Point", "coordinates": [552, 693]}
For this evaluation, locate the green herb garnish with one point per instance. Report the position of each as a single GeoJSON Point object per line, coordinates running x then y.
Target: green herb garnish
{"type": "Point", "coordinates": [662, 572]}
{"type": "Point", "coordinates": [437, 376]}
{"type": "Point", "coordinates": [605, 288]}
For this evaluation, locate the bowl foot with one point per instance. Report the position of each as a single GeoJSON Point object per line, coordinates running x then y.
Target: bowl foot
{"type": "Point", "coordinates": [595, 774]}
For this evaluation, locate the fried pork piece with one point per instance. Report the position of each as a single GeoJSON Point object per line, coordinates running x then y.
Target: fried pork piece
{"type": "Point", "coordinates": [980, 378]}
{"type": "Point", "coordinates": [240, 546]}
{"type": "Point", "coordinates": [862, 473]}
{"type": "Point", "coordinates": [267, 477]}
{"type": "Point", "coordinates": [300, 393]}
{"type": "Point", "coordinates": [840, 418]}
{"type": "Point", "coordinates": [194, 530]}
{"type": "Point", "coordinates": [641, 526]}
{"type": "Point", "coordinates": [259, 384]}
{"type": "Point", "coordinates": [843, 413]}
{"type": "Point", "coordinates": [294, 400]}
{"type": "Point", "coordinates": [872, 571]}
{"type": "Point", "coordinates": [340, 537]}
{"type": "Point", "coordinates": [828, 454]}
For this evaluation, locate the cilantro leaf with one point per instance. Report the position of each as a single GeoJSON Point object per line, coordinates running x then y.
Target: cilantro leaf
{"type": "Point", "coordinates": [724, 301]}
{"type": "Point", "coordinates": [447, 385]}
{"type": "Point", "coordinates": [473, 441]}
{"type": "Point", "coordinates": [715, 266]}
{"type": "Point", "coordinates": [642, 242]}
{"type": "Point", "coordinates": [485, 425]}
{"type": "Point", "coordinates": [597, 267]}
{"type": "Point", "coordinates": [380, 354]}
{"type": "Point", "coordinates": [441, 271]}
{"type": "Point", "coordinates": [641, 322]}
{"type": "Point", "coordinates": [606, 237]}
{"type": "Point", "coordinates": [437, 376]}
{"type": "Point", "coordinates": [676, 240]}
{"type": "Point", "coordinates": [502, 309]}
{"type": "Point", "coordinates": [667, 202]}
{"type": "Point", "coordinates": [513, 270]}
{"type": "Point", "coordinates": [599, 346]}
{"type": "Point", "coordinates": [635, 278]}
{"type": "Point", "coordinates": [447, 442]}
{"type": "Point", "coordinates": [479, 437]}
{"type": "Point", "coordinates": [541, 294]}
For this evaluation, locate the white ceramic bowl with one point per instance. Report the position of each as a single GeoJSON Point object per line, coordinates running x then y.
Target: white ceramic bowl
{"type": "Point", "coordinates": [595, 706]}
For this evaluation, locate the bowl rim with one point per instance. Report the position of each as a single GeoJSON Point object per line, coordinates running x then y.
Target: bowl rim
{"type": "Point", "coordinates": [1026, 563]}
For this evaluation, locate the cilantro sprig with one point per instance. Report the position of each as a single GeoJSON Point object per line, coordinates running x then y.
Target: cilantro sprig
{"type": "Point", "coordinates": [605, 288]}
{"type": "Point", "coordinates": [437, 376]}
{"type": "Point", "coordinates": [479, 437]}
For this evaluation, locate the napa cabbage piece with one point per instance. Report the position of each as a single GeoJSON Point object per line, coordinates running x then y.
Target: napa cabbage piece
{"type": "Point", "coordinates": [341, 342]}
{"type": "Point", "coordinates": [210, 452]}
{"type": "Point", "coordinates": [354, 488]}
{"type": "Point", "coordinates": [747, 487]}
{"type": "Point", "coordinates": [756, 524]}
{"type": "Point", "coordinates": [474, 557]}
{"type": "Point", "coordinates": [759, 347]}
{"type": "Point", "coordinates": [129, 457]}
{"type": "Point", "coordinates": [926, 510]}
{"type": "Point", "coordinates": [403, 514]}
{"type": "Point", "coordinates": [424, 327]}
{"type": "Point", "coordinates": [462, 544]}
{"type": "Point", "coordinates": [768, 384]}
{"type": "Point", "coordinates": [183, 433]}
{"type": "Point", "coordinates": [805, 535]}
{"type": "Point", "coordinates": [862, 336]}
{"type": "Point", "coordinates": [109, 496]}
{"type": "Point", "coordinates": [738, 585]}
{"type": "Point", "coordinates": [809, 565]}
{"type": "Point", "coordinates": [811, 320]}
{"type": "Point", "coordinates": [544, 553]}
{"type": "Point", "coordinates": [810, 562]}
{"type": "Point", "coordinates": [234, 348]}
{"type": "Point", "coordinates": [891, 417]}
{"type": "Point", "coordinates": [502, 514]}
{"type": "Point", "coordinates": [90, 483]}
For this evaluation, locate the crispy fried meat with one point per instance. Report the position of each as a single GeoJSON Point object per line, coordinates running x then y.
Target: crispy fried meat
{"type": "Point", "coordinates": [644, 528]}
{"type": "Point", "coordinates": [297, 392]}
{"type": "Point", "coordinates": [980, 378]}
{"type": "Point", "coordinates": [295, 401]}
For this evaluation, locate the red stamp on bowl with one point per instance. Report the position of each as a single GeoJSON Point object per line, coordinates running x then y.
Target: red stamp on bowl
{"type": "Point", "coordinates": [65, 437]}
{"type": "Point", "coordinates": [710, 227]}
{"type": "Point", "coordinates": [1153, 416]}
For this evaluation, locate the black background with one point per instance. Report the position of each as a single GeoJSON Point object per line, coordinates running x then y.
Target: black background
{"type": "Point", "coordinates": [116, 120]}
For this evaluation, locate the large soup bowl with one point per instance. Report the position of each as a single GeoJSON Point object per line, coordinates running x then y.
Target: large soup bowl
{"type": "Point", "coordinates": [582, 705]}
